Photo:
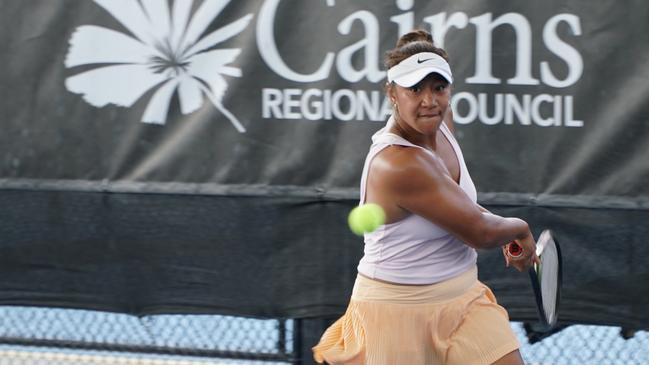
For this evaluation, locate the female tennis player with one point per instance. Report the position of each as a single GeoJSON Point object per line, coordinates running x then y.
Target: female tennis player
{"type": "Point", "coordinates": [417, 299]}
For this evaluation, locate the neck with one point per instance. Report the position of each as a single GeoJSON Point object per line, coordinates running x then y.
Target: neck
{"type": "Point", "coordinates": [402, 129]}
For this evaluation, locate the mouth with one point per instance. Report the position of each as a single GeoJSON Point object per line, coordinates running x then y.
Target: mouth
{"type": "Point", "coordinates": [430, 115]}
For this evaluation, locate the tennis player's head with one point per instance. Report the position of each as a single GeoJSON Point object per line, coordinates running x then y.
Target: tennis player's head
{"type": "Point", "coordinates": [419, 79]}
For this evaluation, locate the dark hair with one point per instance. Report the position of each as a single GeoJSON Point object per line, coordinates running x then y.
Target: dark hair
{"type": "Point", "coordinates": [411, 43]}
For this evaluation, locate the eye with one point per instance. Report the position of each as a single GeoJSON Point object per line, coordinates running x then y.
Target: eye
{"type": "Point", "coordinates": [441, 87]}
{"type": "Point", "coordinates": [415, 88]}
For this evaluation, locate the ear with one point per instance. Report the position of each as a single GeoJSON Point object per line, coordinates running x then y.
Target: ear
{"type": "Point", "coordinates": [391, 92]}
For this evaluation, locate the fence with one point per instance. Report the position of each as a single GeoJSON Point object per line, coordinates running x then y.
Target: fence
{"type": "Point", "coordinates": [190, 337]}
{"type": "Point", "coordinates": [49, 336]}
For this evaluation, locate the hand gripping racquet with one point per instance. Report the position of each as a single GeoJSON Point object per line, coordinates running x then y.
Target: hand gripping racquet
{"type": "Point", "coordinates": [546, 277]}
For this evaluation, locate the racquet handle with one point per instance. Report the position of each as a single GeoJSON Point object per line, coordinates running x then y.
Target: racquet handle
{"type": "Point", "coordinates": [514, 250]}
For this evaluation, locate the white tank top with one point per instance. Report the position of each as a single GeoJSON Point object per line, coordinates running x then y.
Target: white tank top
{"type": "Point", "coordinates": [414, 250]}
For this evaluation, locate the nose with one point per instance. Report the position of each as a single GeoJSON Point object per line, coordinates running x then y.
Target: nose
{"type": "Point", "coordinates": [429, 97]}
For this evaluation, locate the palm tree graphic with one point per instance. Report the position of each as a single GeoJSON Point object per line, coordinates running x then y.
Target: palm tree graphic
{"type": "Point", "coordinates": [165, 50]}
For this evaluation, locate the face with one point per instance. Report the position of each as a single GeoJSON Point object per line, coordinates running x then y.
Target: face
{"type": "Point", "coordinates": [421, 108]}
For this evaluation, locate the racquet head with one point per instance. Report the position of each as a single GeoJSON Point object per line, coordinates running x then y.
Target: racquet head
{"type": "Point", "coordinates": [546, 278]}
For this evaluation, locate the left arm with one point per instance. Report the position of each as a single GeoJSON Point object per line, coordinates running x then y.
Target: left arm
{"type": "Point", "coordinates": [448, 120]}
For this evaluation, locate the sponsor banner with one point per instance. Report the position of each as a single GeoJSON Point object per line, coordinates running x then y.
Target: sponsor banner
{"type": "Point", "coordinates": [548, 99]}
{"type": "Point", "coordinates": [210, 99]}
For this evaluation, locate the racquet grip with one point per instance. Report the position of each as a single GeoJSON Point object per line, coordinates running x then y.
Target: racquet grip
{"type": "Point", "coordinates": [514, 250]}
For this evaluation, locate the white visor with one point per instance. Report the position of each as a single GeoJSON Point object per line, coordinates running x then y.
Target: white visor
{"type": "Point", "coordinates": [414, 68]}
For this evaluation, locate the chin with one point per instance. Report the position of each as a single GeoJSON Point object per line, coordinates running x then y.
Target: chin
{"type": "Point", "coordinates": [430, 127]}
{"type": "Point", "coordinates": [431, 121]}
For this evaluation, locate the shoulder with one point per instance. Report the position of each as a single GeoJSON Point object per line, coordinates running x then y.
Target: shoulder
{"type": "Point", "coordinates": [406, 168]}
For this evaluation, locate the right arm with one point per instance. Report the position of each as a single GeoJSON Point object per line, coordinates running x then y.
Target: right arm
{"type": "Point", "coordinates": [411, 180]}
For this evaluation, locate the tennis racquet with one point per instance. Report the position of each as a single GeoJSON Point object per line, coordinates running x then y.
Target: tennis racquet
{"type": "Point", "coordinates": [546, 277]}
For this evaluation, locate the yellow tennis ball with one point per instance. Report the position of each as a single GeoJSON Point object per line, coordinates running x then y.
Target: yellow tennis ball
{"type": "Point", "coordinates": [366, 218]}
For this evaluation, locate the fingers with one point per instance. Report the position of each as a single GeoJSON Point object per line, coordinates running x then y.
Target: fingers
{"type": "Point", "coordinates": [525, 255]}
{"type": "Point", "coordinates": [506, 255]}
{"type": "Point", "coordinates": [522, 262]}
{"type": "Point", "coordinates": [522, 265]}
{"type": "Point", "coordinates": [533, 259]}
{"type": "Point", "coordinates": [516, 255]}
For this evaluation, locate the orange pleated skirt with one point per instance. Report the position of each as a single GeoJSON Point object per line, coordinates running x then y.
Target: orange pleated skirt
{"type": "Point", "coordinates": [455, 322]}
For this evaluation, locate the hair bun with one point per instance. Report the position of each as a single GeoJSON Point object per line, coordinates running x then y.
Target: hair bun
{"type": "Point", "coordinates": [418, 35]}
{"type": "Point", "coordinates": [411, 43]}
